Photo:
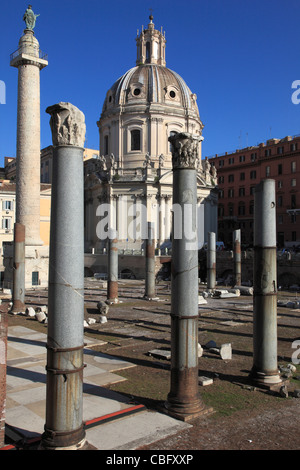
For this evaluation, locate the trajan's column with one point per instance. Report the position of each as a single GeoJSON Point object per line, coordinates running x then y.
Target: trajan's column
{"type": "Point", "coordinates": [29, 60]}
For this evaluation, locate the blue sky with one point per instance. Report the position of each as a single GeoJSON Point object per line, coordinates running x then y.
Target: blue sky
{"type": "Point", "coordinates": [239, 57]}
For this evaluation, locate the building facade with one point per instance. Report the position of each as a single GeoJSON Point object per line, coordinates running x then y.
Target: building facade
{"type": "Point", "coordinates": [238, 174]}
{"type": "Point", "coordinates": [131, 182]}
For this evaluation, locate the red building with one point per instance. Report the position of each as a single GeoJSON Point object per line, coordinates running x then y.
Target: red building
{"type": "Point", "coordinates": [241, 171]}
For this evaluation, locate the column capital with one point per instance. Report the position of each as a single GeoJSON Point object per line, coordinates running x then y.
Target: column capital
{"type": "Point", "coordinates": [67, 124]}
{"type": "Point", "coordinates": [184, 150]}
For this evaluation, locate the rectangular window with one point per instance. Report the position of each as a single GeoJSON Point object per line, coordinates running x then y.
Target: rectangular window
{"type": "Point", "coordinates": [280, 169]}
{"type": "Point", "coordinates": [293, 201]}
{"type": "Point", "coordinates": [280, 184]}
{"type": "Point", "coordinates": [279, 150]}
{"type": "Point", "coordinates": [252, 189]}
{"type": "Point", "coordinates": [242, 176]}
{"type": "Point", "coordinates": [293, 167]}
{"type": "Point", "coordinates": [268, 171]}
{"type": "Point", "coordinates": [135, 140]}
{"type": "Point", "coordinates": [6, 224]}
{"type": "Point", "coordinates": [230, 192]}
{"type": "Point", "coordinates": [35, 278]}
{"type": "Point", "coordinates": [231, 161]}
{"type": "Point", "coordinates": [241, 191]}
{"type": "Point", "coordinates": [253, 157]}
{"type": "Point", "coordinates": [230, 178]}
{"type": "Point", "coordinates": [294, 236]}
{"type": "Point", "coordinates": [267, 152]}
{"type": "Point", "coordinates": [280, 219]}
{"type": "Point", "coordinates": [293, 182]}
{"type": "Point", "coordinates": [279, 203]}
{"type": "Point", "coordinates": [293, 147]}
{"type": "Point", "coordinates": [7, 205]}
{"type": "Point", "coordinates": [242, 158]}
{"type": "Point", "coordinates": [253, 174]}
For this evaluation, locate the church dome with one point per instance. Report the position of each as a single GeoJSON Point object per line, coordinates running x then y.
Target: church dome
{"type": "Point", "coordinates": [151, 84]}
{"type": "Point", "coordinates": [146, 105]}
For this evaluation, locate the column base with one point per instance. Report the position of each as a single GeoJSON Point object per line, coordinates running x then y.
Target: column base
{"type": "Point", "coordinates": [262, 378]}
{"type": "Point", "coordinates": [113, 301]}
{"type": "Point", "coordinates": [146, 297]}
{"type": "Point", "coordinates": [18, 308]}
{"type": "Point", "coordinates": [68, 440]}
{"type": "Point", "coordinates": [82, 445]}
{"type": "Point", "coordinates": [185, 412]}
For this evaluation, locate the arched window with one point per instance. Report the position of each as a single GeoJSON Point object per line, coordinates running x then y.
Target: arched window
{"type": "Point", "coordinates": [148, 51]}
{"type": "Point", "coordinates": [135, 139]}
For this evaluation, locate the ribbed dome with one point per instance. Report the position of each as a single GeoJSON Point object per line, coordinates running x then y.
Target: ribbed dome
{"type": "Point", "coordinates": [149, 84]}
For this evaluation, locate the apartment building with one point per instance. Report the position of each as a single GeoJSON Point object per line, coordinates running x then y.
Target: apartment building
{"type": "Point", "coordinates": [238, 174]}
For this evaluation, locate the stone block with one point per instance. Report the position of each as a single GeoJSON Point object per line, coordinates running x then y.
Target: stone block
{"type": "Point", "coordinates": [226, 351]}
{"type": "Point", "coordinates": [160, 353]}
{"type": "Point", "coordinates": [205, 381]}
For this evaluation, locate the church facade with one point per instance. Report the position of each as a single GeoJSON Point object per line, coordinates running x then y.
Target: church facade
{"type": "Point", "coordinates": [130, 183]}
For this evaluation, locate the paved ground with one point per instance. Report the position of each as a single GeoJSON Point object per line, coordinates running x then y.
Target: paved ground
{"type": "Point", "coordinates": [244, 417]}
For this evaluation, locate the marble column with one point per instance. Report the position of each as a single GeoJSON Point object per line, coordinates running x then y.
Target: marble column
{"type": "Point", "coordinates": [211, 261]}
{"type": "Point", "coordinates": [236, 242]}
{"type": "Point", "coordinates": [150, 264]}
{"type": "Point", "coordinates": [265, 366]}
{"type": "Point", "coordinates": [64, 427]}
{"type": "Point", "coordinates": [183, 399]}
{"type": "Point", "coordinates": [112, 280]}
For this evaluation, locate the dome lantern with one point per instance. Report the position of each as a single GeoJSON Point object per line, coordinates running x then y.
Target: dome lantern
{"type": "Point", "coordinates": [151, 45]}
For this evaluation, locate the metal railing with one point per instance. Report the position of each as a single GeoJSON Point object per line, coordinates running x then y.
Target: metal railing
{"type": "Point", "coordinates": [41, 54]}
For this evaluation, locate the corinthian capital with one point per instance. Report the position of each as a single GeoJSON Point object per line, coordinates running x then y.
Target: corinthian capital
{"type": "Point", "coordinates": [184, 150]}
{"type": "Point", "coordinates": [67, 124]}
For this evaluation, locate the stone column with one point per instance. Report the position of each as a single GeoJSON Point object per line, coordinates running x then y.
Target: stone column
{"type": "Point", "coordinates": [162, 210]}
{"type": "Point", "coordinates": [237, 257]}
{"type": "Point", "coordinates": [64, 408]}
{"type": "Point", "coordinates": [183, 399]}
{"type": "Point", "coordinates": [150, 263]}
{"type": "Point", "coordinates": [18, 296]}
{"type": "Point", "coordinates": [265, 368]}
{"type": "Point", "coordinates": [168, 218]}
{"type": "Point", "coordinates": [3, 372]}
{"type": "Point", "coordinates": [27, 60]}
{"type": "Point", "coordinates": [112, 281]}
{"type": "Point", "coordinates": [211, 261]}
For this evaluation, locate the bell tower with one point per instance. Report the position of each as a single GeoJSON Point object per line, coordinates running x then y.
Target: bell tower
{"type": "Point", "coordinates": [151, 46]}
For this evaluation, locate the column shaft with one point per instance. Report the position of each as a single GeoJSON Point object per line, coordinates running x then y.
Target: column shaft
{"type": "Point", "coordinates": [211, 261]}
{"type": "Point", "coordinates": [183, 399]}
{"type": "Point", "coordinates": [64, 398]}
{"type": "Point", "coordinates": [237, 257]}
{"type": "Point", "coordinates": [18, 297]}
{"type": "Point", "coordinates": [150, 263]}
{"type": "Point", "coordinates": [265, 368]}
{"type": "Point", "coordinates": [112, 281]}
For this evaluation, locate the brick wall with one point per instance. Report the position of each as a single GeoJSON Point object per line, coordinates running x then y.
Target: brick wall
{"type": "Point", "coordinates": [3, 358]}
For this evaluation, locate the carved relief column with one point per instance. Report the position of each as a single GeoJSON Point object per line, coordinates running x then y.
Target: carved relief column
{"type": "Point", "coordinates": [64, 427]}
{"type": "Point", "coordinates": [29, 64]}
{"type": "Point", "coordinates": [183, 400]}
